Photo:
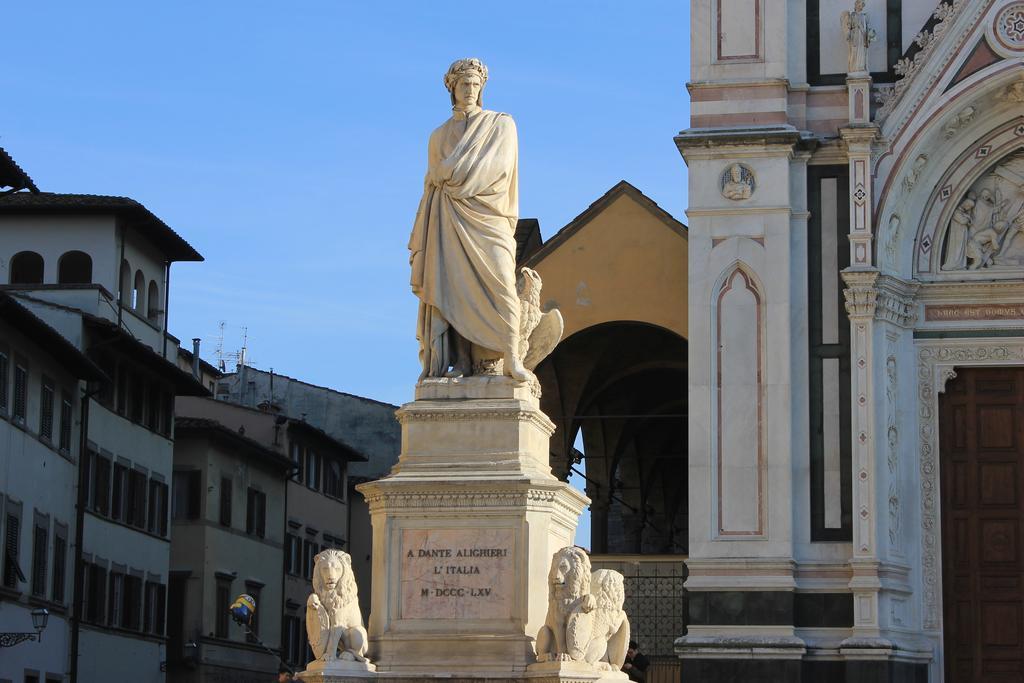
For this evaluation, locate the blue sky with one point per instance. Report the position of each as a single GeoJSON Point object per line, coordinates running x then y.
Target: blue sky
{"type": "Point", "coordinates": [287, 143]}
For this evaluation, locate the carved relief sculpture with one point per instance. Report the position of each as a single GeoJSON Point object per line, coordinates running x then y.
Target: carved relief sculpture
{"type": "Point", "coordinates": [892, 242]}
{"type": "Point", "coordinates": [462, 249]}
{"type": "Point", "coordinates": [567, 628]}
{"type": "Point", "coordinates": [334, 623]}
{"type": "Point", "coordinates": [610, 633]}
{"type": "Point", "coordinates": [986, 229]}
{"type": "Point", "coordinates": [914, 173]}
{"type": "Point", "coordinates": [737, 182]}
{"type": "Point", "coordinates": [858, 36]}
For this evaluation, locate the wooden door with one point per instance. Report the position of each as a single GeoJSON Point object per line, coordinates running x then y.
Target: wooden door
{"type": "Point", "coordinates": [981, 418]}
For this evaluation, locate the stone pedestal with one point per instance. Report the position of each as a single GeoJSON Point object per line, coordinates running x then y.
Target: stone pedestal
{"type": "Point", "coordinates": [337, 672]}
{"type": "Point", "coordinates": [464, 528]}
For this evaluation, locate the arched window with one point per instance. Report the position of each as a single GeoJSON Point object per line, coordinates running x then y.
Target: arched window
{"type": "Point", "coordinates": [27, 268]}
{"type": "Point", "coordinates": [138, 291]}
{"type": "Point", "coordinates": [74, 268]}
{"type": "Point", "coordinates": [153, 302]}
{"type": "Point", "coordinates": [125, 294]}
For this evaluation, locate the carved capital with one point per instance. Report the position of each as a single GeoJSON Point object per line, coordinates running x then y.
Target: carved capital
{"type": "Point", "coordinates": [896, 301]}
{"type": "Point", "coordinates": [861, 293]}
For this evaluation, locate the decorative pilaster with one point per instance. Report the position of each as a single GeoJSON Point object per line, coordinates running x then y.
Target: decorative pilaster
{"type": "Point", "coordinates": [858, 150]}
{"type": "Point", "coordinates": [881, 309]}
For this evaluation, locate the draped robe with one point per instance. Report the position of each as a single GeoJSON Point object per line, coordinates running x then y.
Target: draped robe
{"type": "Point", "coordinates": [462, 248]}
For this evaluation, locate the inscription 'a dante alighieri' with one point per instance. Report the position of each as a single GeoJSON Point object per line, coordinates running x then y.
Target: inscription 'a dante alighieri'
{"type": "Point", "coordinates": [457, 573]}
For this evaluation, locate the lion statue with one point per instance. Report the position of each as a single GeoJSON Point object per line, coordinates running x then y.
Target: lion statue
{"type": "Point", "coordinates": [566, 633]}
{"type": "Point", "coordinates": [333, 620]}
{"type": "Point", "coordinates": [609, 634]}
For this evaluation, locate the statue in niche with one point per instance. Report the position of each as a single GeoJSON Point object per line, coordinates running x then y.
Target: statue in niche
{"type": "Point", "coordinates": [334, 623]}
{"type": "Point", "coordinates": [609, 637]}
{"type": "Point", "coordinates": [462, 249]}
{"type": "Point", "coordinates": [986, 230]}
{"type": "Point", "coordinates": [858, 37]}
{"type": "Point", "coordinates": [737, 182]}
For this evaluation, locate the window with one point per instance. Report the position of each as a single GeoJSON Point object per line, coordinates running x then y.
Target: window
{"type": "Point", "coordinates": [64, 442]}
{"type": "Point", "coordinates": [138, 291]}
{"type": "Point", "coordinates": [5, 365]}
{"type": "Point", "coordinates": [125, 294]}
{"type": "Point", "coordinates": [109, 368]}
{"type": "Point", "coordinates": [310, 549]}
{"type": "Point", "coordinates": [136, 504]}
{"type": "Point", "coordinates": [46, 396]}
{"type": "Point", "coordinates": [293, 555]}
{"type": "Point", "coordinates": [119, 492]}
{"type": "Point", "coordinates": [312, 469]}
{"type": "Point", "coordinates": [292, 640]}
{"type": "Point", "coordinates": [132, 604]}
{"type": "Point", "coordinates": [122, 389]}
{"type": "Point", "coordinates": [115, 599]}
{"type": "Point", "coordinates": [253, 589]}
{"type": "Point", "coordinates": [256, 513]}
{"type": "Point", "coordinates": [334, 478]}
{"type": "Point", "coordinates": [157, 508]}
{"type": "Point", "coordinates": [153, 407]}
{"type": "Point", "coordinates": [225, 501]}
{"type": "Point", "coordinates": [60, 552]}
{"type": "Point", "coordinates": [156, 600]}
{"type": "Point", "coordinates": [153, 303]}
{"type": "Point", "coordinates": [40, 543]}
{"type": "Point", "coordinates": [101, 485]}
{"type": "Point", "coordinates": [298, 457]}
{"type": "Point", "coordinates": [74, 268]}
{"type": "Point", "coordinates": [12, 540]}
{"type": "Point", "coordinates": [31, 677]}
{"type": "Point", "coordinates": [27, 268]}
{"type": "Point", "coordinates": [187, 495]}
{"type": "Point", "coordinates": [96, 594]}
{"type": "Point", "coordinates": [137, 399]}
{"type": "Point", "coordinates": [223, 603]}
{"type": "Point", "coordinates": [20, 393]}
{"type": "Point", "coordinates": [167, 413]}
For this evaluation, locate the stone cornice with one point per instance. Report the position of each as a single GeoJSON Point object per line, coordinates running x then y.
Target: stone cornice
{"type": "Point", "coordinates": [474, 410]}
{"type": "Point", "coordinates": [692, 140]}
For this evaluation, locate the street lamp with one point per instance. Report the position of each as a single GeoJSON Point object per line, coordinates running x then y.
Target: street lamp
{"type": "Point", "coordinates": [39, 619]}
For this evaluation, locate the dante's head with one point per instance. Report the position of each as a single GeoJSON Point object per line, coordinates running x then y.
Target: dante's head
{"type": "Point", "coordinates": [465, 80]}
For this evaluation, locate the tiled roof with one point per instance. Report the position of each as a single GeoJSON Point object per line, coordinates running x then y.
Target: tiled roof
{"type": "Point", "coordinates": [48, 339]}
{"type": "Point", "coordinates": [183, 425]}
{"type": "Point", "coordinates": [599, 205]}
{"type": "Point", "coordinates": [12, 176]}
{"type": "Point", "coordinates": [137, 216]}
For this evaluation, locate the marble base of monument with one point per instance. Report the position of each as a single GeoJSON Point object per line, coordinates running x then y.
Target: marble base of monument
{"type": "Point", "coordinates": [337, 671]}
{"type": "Point", "coordinates": [464, 528]}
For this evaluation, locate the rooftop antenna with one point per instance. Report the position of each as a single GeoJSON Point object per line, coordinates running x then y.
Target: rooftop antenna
{"type": "Point", "coordinates": [235, 357]}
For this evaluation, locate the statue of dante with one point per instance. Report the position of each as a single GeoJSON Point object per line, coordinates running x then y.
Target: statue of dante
{"type": "Point", "coordinates": [462, 249]}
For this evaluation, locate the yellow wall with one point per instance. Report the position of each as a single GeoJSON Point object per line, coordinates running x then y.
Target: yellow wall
{"type": "Point", "coordinates": [626, 264]}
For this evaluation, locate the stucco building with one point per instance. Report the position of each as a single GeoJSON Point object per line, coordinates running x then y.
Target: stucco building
{"type": "Point", "coordinates": [856, 341]}
{"type": "Point", "coordinates": [228, 531]}
{"type": "Point", "coordinates": [366, 429]}
{"type": "Point", "coordinates": [313, 515]}
{"type": "Point", "coordinates": [96, 270]}
{"type": "Point", "coordinates": [40, 430]}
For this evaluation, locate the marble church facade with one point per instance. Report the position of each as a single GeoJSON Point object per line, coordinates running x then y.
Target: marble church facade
{"type": "Point", "coordinates": [856, 339]}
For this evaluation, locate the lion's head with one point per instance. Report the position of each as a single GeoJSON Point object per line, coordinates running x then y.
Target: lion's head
{"type": "Point", "coordinates": [333, 580]}
{"type": "Point", "coordinates": [609, 589]}
{"type": "Point", "coordinates": [569, 577]}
